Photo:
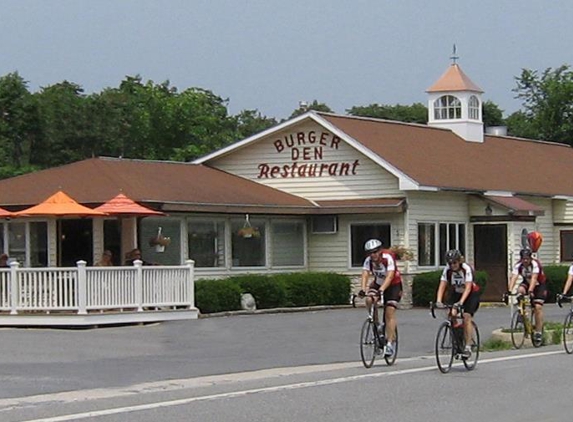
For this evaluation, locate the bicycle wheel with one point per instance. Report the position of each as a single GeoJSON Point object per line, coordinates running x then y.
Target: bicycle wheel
{"type": "Point", "coordinates": [444, 348]}
{"type": "Point", "coordinates": [368, 346]}
{"type": "Point", "coordinates": [392, 358]}
{"type": "Point", "coordinates": [518, 330]}
{"type": "Point", "coordinates": [568, 333]}
{"type": "Point", "coordinates": [471, 362]}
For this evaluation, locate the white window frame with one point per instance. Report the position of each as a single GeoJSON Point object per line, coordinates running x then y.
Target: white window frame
{"type": "Point", "coordinates": [447, 107]}
{"type": "Point", "coordinates": [474, 108]}
{"type": "Point", "coordinates": [437, 256]}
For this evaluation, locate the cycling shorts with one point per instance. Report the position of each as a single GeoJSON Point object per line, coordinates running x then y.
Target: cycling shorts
{"type": "Point", "coordinates": [392, 295]}
{"type": "Point", "coordinates": [539, 293]}
{"type": "Point", "coordinates": [471, 304]}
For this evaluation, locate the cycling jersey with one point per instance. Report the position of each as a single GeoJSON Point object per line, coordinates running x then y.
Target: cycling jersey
{"type": "Point", "coordinates": [457, 279]}
{"type": "Point", "coordinates": [526, 272]}
{"type": "Point", "coordinates": [380, 269]}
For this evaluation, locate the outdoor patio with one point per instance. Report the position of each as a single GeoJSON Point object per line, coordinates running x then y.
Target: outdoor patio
{"type": "Point", "coordinates": [90, 296]}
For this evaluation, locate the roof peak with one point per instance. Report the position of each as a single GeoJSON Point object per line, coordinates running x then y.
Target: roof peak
{"type": "Point", "coordinates": [454, 79]}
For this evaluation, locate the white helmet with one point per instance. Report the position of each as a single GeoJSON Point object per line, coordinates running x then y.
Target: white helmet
{"type": "Point", "coordinates": [372, 245]}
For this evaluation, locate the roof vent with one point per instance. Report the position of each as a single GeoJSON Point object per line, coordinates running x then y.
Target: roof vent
{"type": "Point", "coordinates": [496, 130]}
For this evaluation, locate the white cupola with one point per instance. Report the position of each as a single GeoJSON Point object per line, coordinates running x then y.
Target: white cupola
{"type": "Point", "coordinates": [455, 103]}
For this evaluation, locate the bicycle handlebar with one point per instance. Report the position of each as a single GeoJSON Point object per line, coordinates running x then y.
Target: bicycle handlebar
{"type": "Point", "coordinates": [433, 307]}
{"type": "Point", "coordinates": [562, 298]}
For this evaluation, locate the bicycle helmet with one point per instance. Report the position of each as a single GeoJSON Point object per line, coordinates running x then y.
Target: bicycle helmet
{"type": "Point", "coordinates": [373, 245]}
{"type": "Point", "coordinates": [525, 253]}
{"type": "Point", "coordinates": [453, 255]}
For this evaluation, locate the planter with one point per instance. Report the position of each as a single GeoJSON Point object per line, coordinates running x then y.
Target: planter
{"type": "Point", "coordinates": [159, 248]}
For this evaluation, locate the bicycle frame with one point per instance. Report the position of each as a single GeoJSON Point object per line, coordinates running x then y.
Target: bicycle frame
{"type": "Point", "coordinates": [523, 315]}
{"type": "Point", "coordinates": [567, 323]}
{"type": "Point", "coordinates": [373, 338]}
{"type": "Point", "coordinates": [451, 340]}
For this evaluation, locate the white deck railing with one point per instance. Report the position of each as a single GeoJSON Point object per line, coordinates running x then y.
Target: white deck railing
{"type": "Point", "coordinates": [84, 290]}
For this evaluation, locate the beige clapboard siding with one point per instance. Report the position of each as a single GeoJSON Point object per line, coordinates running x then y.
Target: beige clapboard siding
{"type": "Point", "coordinates": [435, 207]}
{"type": "Point", "coordinates": [563, 211]}
{"type": "Point", "coordinates": [332, 252]}
{"type": "Point", "coordinates": [544, 224]}
{"type": "Point", "coordinates": [369, 181]}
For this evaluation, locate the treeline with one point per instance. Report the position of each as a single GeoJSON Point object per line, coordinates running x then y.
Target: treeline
{"type": "Point", "coordinates": [60, 124]}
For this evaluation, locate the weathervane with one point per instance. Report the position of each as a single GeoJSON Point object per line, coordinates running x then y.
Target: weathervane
{"type": "Point", "coordinates": [454, 57]}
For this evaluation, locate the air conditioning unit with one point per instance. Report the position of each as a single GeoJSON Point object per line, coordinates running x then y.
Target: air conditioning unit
{"type": "Point", "coordinates": [324, 224]}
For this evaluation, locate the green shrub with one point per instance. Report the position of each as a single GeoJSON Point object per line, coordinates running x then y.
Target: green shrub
{"type": "Point", "coordinates": [556, 276]}
{"type": "Point", "coordinates": [217, 295]}
{"type": "Point", "coordinates": [267, 291]}
{"type": "Point", "coordinates": [270, 291]}
{"type": "Point", "coordinates": [425, 286]}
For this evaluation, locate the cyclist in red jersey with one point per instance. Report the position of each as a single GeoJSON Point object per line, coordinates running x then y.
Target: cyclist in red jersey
{"type": "Point", "coordinates": [458, 278]}
{"type": "Point", "coordinates": [533, 284]}
{"type": "Point", "coordinates": [387, 280]}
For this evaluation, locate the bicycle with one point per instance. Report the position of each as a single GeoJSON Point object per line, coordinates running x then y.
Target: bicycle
{"type": "Point", "coordinates": [451, 340]}
{"type": "Point", "coordinates": [522, 324]}
{"type": "Point", "coordinates": [567, 323]}
{"type": "Point", "coordinates": [373, 338]}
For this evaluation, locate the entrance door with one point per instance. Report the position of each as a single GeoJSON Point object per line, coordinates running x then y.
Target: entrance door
{"type": "Point", "coordinates": [490, 246]}
{"type": "Point", "coordinates": [75, 242]}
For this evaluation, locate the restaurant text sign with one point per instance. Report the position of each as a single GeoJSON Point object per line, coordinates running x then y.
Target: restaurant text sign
{"type": "Point", "coordinates": [305, 150]}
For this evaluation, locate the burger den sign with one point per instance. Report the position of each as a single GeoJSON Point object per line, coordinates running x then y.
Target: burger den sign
{"type": "Point", "coordinates": [305, 154]}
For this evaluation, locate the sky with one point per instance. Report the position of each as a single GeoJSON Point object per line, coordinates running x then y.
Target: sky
{"type": "Point", "coordinates": [270, 55]}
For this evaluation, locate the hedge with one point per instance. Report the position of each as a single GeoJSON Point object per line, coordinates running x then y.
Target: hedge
{"type": "Point", "coordinates": [556, 276]}
{"type": "Point", "coordinates": [425, 286]}
{"type": "Point", "coordinates": [272, 291]}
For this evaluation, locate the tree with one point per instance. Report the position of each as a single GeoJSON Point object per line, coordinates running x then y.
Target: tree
{"type": "Point", "coordinates": [19, 126]}
{"type": "Point", "coordinates": [492, 114]}
{"type": "Point", "coordinates": [416, 113]}
{"type": "Point", "coordinates": [315, 105]}
{"type": "Point", "coordinates": [251, 122]}
{"type": "Point", "coordinates": [548, 104]}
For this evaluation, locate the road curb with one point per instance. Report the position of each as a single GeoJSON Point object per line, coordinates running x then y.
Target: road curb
{"type": "Point", "coordinates": [275, 311]}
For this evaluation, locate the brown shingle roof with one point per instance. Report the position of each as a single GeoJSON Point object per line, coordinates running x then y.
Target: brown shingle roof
{"type": "Point", "coordinates": [97, 180]}
{"type": "Point", "coordinates": [439, 158]}
{"type": "Point", "coordinates": [454, 79]}
{"type": "Point", "coordinates": [172, 187]}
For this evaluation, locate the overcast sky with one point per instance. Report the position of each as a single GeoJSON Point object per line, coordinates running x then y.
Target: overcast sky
{"type": "Point", "coordinates": [271, 54]}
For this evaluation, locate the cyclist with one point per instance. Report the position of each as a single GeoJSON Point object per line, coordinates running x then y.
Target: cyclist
{"type": "Point", "coordinates": [569, 281]}
{"type": "Point", "coordinates": [387, 282]}
{"type": "Point", "coordinates": [533, 284]}
{"type": "Point", "coordinates": [458, 278]}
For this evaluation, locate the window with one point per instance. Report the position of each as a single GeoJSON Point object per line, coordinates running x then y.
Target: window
{"type": "Point", "coordinates": [566, 245]}
{"type": "Point", "coordinates": [324, 224]}
{"type": "Point", "coordinates": [426, 244]}
{"type": "Point", "coordinates": [474, 108]}
{"type": "Point", "coordinates": [447, 107]}
{"type": "Point", "coordinates": [360, 233]}
{"type": "Point", "coordinates": [206, 242]}
{"type": "Point", "coordinates": [248, 250]}
{"type": "Point", "coordinates": [171, 228]}
{"type": "Point", "coordinates": [450, 236]}
{"type": "Point", "coordinates": [38, 244]}
{"type": "Point", "coordinates": [287, 243]}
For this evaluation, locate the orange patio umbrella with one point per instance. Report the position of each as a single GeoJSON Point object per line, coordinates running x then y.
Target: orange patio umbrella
{"type": "Point", "coordinates": [59, 205]}
{"type": "Point", "coordinates": [121, 205]}
{"type": "Point", "coordinates": [5, 213]}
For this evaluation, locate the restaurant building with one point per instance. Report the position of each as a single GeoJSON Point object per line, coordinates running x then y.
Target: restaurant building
{"type": "Point", "coordinates": [306, 194]}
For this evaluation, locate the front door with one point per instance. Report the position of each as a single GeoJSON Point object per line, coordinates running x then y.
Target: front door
{"type": "Point", "coordinates": [490, 250]}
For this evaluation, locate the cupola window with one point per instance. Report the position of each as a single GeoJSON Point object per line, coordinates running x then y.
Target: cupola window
{"type": "Point", "coordinates": [447, 107]}
{"type": "Point", "coordinates": [473, 109]}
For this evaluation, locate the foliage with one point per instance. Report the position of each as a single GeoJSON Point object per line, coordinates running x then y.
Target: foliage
{"type": "Point", "coordinates": [271, 291]}
{"type": "Point", "coordinates": [496, 344]}
{"type": "Point", "coordinates": [315, 105]}
{"type": "Point", "coordinates": [555, 279]}
{"type": "Point", "coordinates": [415, 113]}
{"type": "Point", "coordinates": [217, 296]}
{"type": "Point", "coordinates": [425, 286]}
{"type": "Point", "coordinates": [492, 115]}
{"type": "Point", "coordinates": [548, 103]}
{"type": "Point", "coordinates": [268, 292]}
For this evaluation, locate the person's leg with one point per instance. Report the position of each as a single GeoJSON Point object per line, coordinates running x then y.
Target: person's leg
{"type": "Point", "coordinates": [390, 323]}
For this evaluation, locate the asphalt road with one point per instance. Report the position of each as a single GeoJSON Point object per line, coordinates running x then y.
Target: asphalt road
{"type": "Point", "coordinates": [274, 363]}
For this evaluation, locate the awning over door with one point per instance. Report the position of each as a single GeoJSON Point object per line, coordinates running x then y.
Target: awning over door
{"type": "Point", "coordinates": [515, 206]}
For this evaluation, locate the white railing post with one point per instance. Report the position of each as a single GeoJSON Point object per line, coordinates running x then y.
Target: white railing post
{"type": "Point", "coordinates": [191, 282]}
{"type": "Point", "coordinates": [14, 265]}
{"type": "Point", "coordinates": [139, 284]}
{"type": "Point", "coordinates": [82, 287]}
